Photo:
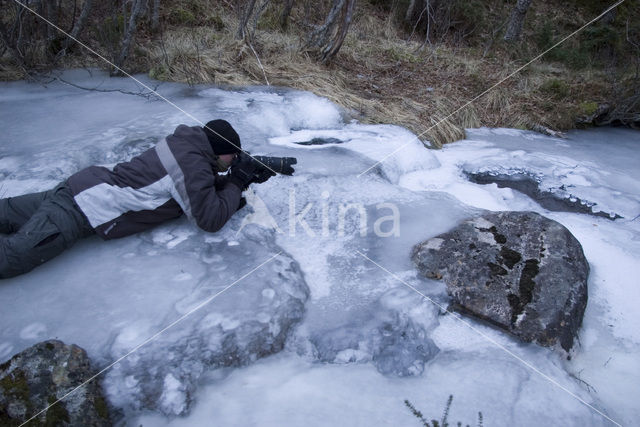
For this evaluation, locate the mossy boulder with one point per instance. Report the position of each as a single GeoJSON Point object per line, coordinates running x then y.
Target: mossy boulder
{"type": "Point", "coordinates": [42, 376]}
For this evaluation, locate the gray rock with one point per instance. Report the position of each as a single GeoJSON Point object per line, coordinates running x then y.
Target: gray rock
{"type": "Point", "coordinates": [520, 271]}
{"type": "Point", "coordinates": [44, 373]}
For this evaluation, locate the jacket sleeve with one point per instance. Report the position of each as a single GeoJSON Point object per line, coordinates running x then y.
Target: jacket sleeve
{"type": "Point", "coordinates": [211, 209]}
{"type": "Point", "coordinates": [195, 182]}
{"type": "Point", "coordinates": [221, 182]}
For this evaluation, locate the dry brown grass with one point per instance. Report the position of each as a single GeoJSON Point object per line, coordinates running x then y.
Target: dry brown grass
{"type": "Point", "coordinates": [378, 76]}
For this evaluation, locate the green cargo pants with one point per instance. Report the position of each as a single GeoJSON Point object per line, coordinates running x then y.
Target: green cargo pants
{"type": "Point", "coordinates": [37, 227]}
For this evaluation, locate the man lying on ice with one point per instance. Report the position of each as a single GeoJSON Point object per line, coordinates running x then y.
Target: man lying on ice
{"type": "Point", "coordinates": [177, 176]}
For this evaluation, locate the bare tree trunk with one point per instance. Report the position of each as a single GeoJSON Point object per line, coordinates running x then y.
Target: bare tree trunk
{"type": "Point", "coordinates": [155, 16]}
{"type": "Point", "coordinates": [343, 28]}
{"type": "Point", "coordinates": [514, 28]}
{"type": "Point", "coordinates": [49, 10]}
{"type": "Point", "coordinates": [256, 17]}
{"type": "Point", "coordinates": [245, 14]}
{"type": "Point", "coordinates": [128, 37]}
{"type": "Point", "coordinates": [286, 11]}
{"type": "Point", "coordinates": [77, 27]}
{"type": "Point", "coordinates": [328, 37]}
{"type": "Point", "coordinates": [12, 39]}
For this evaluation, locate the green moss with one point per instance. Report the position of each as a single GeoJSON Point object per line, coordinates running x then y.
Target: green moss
{"type": "Point", "coordinates": [57, 414]}
{"type": "Point", "coordinates": [101, 407]}
{"type": "Point", "coordinates": [588, 108]}
{"type": "Point", "coordinates": [15, 384]}
{"type": "Point", "coordinates": [159, 72]}
{"type": "Point", "coordinates": [15, 387]}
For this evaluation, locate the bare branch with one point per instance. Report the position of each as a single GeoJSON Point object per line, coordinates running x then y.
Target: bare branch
{"type": "Point", "coordinates": [145, 94]}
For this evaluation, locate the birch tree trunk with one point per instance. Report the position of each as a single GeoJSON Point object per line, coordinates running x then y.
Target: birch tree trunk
{"type": "Point", "coordinates": [77, 27]}
{"type": "Point", "coordinates": [245, 14]}
{"type": "Point", "coordinates": [514, 28]}
{"type": "Point", "coordinates": [155, 16]}
{"type": "Point", "coordinates": [286, 11]}
{"type": "Point", "coordinates": [128, 36]}
{"type": "Point", "coordinates": [328, 37]}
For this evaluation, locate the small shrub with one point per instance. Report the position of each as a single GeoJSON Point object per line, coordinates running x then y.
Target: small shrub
{"type": "Point", "coordinates": [602, 42]}
{"type": "Point", "coordinates": [469, 15]}
{"type": "Point", "coordinates": [588, 108]}
{"type": "Point", "coordinates": [556, 88]}
{"type": "Point", "coordinates": [216, 22]}
{"type": "Point", "coordinates": [402, 55]}
{"type": "Point", "coordinates": [570, 53]}
{"type": "Point", "coordinates": [109, 32]}
{"type": "Point", "coordinates": [445, 415]}
{"type": "Point", "coordinates": [543, 36]}
{"type": "Point", "coordinates": [159, 72]}
{"type": "Point", "coordinates": [181, 16]}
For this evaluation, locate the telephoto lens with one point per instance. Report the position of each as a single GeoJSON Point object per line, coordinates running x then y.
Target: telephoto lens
{"type": "Point", "coordinates": [280, 165]}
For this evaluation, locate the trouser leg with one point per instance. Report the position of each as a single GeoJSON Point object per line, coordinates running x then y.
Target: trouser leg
{"type": "Point", "coordinates": [16, 211]}
{"type": "Point", "coordinates": [55, 226]}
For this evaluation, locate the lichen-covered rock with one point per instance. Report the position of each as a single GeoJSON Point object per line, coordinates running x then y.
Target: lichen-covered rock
{"type": "Point", "coordinates": [39, 376]}
{"type": "Point", "coordinates": [520, 271]}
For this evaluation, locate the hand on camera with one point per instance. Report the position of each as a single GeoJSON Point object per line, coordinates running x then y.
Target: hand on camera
{"type": "Point", "coordinates": [262, 175]}
{"type": "Point", "coordinates": [242, 172]}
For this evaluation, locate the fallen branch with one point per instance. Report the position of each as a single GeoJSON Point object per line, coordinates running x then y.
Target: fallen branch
{"type": "Point", "coordinates": [145, 94]}
{"type": "Point", "coordinates": [546, 131]}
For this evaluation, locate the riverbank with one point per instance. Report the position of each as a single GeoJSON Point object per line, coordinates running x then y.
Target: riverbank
{"type": "Point", "coordinates": [123, 291]}
{"type": "Point", "coordinates": [385, 71]}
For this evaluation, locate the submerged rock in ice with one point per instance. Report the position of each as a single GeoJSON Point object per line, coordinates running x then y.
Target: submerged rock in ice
{"type": "Point", "coordinates": [393, 335]}
{"type": "Point", "coordinates": [220, 329]}
{"type": "Point", "coordinates": [554, 199]}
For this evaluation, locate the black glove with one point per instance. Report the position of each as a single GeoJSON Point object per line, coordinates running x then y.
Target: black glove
{"type": "Point", "coordinates": [262, 175]}
{"type": "Point", "coordinates": [242, 172]}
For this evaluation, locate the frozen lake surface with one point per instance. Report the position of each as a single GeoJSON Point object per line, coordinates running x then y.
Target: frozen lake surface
{"type": "Point", "coordinates": [332, 297]}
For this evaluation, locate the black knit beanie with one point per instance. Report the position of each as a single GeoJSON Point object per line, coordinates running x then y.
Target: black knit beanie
{"type": "Point", "coordinates": [222, 137]}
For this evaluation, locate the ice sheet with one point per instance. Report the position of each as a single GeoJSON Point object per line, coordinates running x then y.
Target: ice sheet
{"type": "Point", "coordinates": [346, 361]}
